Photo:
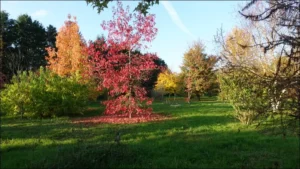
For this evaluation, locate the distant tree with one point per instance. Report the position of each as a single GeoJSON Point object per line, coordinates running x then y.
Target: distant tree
{"type": "Point", "coordinates": [8, 35]}
{"type": "Point", "coordinates": [70, 55]}
{"type": "Point", "coordinates": [167, 83]}
{"type": "Point", "coordinates": [235, 51]}
{"type": "Point", "coordinates": [149, 84]}
{"type": "Point", "coordinates": [23, 43]}
{"type": "Point", "coordinates": [31, 42]}
{"type": "Point", "coordinates": [197, 68]}
{"type": "Point", "coordinates": [51, 34]}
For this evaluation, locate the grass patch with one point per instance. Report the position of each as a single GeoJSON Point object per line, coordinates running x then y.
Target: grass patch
{"type": "Point", "coordinates": [200, 135]}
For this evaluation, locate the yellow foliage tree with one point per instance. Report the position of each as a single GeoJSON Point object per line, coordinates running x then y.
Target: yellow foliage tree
{"type": "Point", "coordinates": [167, 81]}
{"type": "Point", "coordinates": [237, 51]}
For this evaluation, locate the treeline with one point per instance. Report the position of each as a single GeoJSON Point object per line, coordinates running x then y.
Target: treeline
{"type": "Point", "coordinates": [198, 76]}
{"type": "Point", "coordinates": [49, 73]}
{"type": "Point", "coordinates": [23, 43]}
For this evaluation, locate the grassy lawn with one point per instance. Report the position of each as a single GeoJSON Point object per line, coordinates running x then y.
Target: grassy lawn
{"type": "Point", "coordinates": [200, 135]}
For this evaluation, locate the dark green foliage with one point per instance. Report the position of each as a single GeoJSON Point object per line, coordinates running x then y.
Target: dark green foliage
{"type": "Point", "coordinates": [44, 94]}
{"type": "Point", "coordinates": [143, 6]}
{"type": "Point", "coordinates": [24, 43]}
{"type": "Point", "coordinates": [8, 32]}
{"type": "Point", "coordinates": [31, 43]}
{"type": "Point", "coordinates": [51, 34]}
{"type": "Point", "coordinates": [153, 75]}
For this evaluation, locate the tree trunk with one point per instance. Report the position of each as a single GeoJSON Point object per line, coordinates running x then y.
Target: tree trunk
{"type": "Point", "coordinates": [174, 96]}
{"type": "Point", "coordinates": [198, 96]}
{"type": "Point", "coordinates": [189, 97]}
{"type": "Point", "coordinates": [22, 111]}
{"type": "Point", "coordinates": [130, 85]}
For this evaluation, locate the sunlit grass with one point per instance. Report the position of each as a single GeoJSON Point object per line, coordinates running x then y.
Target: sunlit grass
{"type": "Point", "coordinates": [199, 135]}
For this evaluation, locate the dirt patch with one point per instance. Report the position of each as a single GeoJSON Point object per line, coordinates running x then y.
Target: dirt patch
{"type": "Point", "coordinates": [122, 119]}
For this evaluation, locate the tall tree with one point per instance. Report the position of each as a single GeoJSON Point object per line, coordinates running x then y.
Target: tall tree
{"type": "Point", "coordinates": [69, 56]}
{"type": "Point", "coordinates": [24, 43]}
{"type": "Point", "coordinates": [8, 28]}
{"type": "Point", "coordinates": [7, 37]}
{"type": "Point", "coordinates": [51, 34]}
{"type": "Point", "coordinates": [32, 42]}
{"type": "Point", "coordinates": [286, 16]}
{"type": "Point", "coordinates": [119, 67]}
{"type": "Point", "coordinates": [198, 69]}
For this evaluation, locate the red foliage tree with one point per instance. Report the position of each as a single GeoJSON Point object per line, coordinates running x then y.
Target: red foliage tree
{"type": "Point", "coordinates": [118, 65]}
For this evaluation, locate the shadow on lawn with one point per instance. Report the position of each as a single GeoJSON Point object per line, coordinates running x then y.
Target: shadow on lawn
{"type": "Point", "coordinates": [246, 149]}
{"type": "Point", "coordinates": [187, 141]}
{"type": "Point", "coordinates": [64, 130]}
{"type": "Point", "coordinates": [57, 129]}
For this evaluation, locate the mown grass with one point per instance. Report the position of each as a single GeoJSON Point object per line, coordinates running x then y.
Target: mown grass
{"type": "Point", "coordinates": [200, 135]}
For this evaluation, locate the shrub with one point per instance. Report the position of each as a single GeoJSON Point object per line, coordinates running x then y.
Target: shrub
{"type": "Point", "coordinates": [245, 94]}
{"type": "Point", "coordinates": [44, 94]}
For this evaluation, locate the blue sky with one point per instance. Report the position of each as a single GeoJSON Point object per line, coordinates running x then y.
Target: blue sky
{"type": "Point", "coordinates": [179, 23]}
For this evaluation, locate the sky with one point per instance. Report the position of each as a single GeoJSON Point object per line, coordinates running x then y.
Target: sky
{"type": "Point", "coordinates": [179, 23]}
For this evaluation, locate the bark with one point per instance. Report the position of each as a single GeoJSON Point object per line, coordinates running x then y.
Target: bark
{"type": "Point", "coordinates": [198, 96]}
{"type": "Point", "coordinates": [130, 85]}
{"type": "Point", "coordinates": [189, 97]}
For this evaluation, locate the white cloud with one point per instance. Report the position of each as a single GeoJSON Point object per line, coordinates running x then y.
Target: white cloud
{"type": "Point", "coordinates": [175, 17]}
{"type": "Point", "coordinates": [40, 13]}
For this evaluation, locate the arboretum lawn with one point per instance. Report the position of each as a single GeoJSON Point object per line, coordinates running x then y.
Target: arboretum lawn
{"type": "Point", "coordinates": [200, 135]}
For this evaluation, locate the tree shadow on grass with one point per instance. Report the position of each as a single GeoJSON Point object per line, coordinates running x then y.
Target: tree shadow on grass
{"type": "Point", "coordinates": [245, 149]}
{"type": "Point", "coordinates": [66, 129]}
{"type": "Point", "coordinates": [192, 139]}
{"type": "Point", "coordinates": [182, 117]}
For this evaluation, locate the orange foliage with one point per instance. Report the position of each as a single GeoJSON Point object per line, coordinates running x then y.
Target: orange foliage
{"type": "Point", "coordinates": [70, 54]}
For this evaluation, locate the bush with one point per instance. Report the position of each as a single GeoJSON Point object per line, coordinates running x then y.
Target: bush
{"type": "Point", "coordinates": [44, 94]}
{"type": "Point", "coordinates": [245, 94]}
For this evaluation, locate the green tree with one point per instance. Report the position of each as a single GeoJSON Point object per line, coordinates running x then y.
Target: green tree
{"type": "Point", "coordinates": [197, 68]}
{"type": "Point", "coordinates": [31, 42]}
{"type": "Point", "coordinates": [24, 43]}
{"type": "Point", "coordinates": [7, 38]}
{"type": "Point", "coordinates": [51, 34]}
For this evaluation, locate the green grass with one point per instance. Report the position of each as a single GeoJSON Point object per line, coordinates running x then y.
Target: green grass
{"type": "Point", "coordinates": [200, 135]}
